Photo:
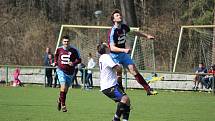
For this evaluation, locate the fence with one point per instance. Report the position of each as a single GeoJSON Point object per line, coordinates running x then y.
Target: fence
{"type": "Point", "coordinates": [36, 75]}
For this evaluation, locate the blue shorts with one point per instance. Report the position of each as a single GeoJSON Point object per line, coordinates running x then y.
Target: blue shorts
{"type": "Point", "coordinates": [122, 58]}
{"type": "Point", "coordinates": [64, 78]}
{"type": "Point", "coordinates": [115, 93]}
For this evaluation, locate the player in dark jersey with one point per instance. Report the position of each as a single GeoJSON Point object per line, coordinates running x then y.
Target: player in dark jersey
{"type": "Point", "coordinates": [66, 58]}
{"type": "Point", "coordinates": [119, 49]}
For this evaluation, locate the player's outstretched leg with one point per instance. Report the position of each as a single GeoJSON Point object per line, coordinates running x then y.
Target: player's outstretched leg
{"type": "Point", "coordinates": [126, 112]}
{"type": "Point", "coordinates": [133, 70]}
{"type": "Point", "coordinates": [142, 81]}
{"type": "Point", "coordinates": [118, 112]}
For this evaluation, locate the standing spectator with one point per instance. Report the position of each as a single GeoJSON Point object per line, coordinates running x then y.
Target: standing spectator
{"type": "Point", "coordinates": [16, 81]}
{"type": "Point", "coordinates": [2, 73]}
{"type": "Point", "coordinates": [74, 77]}
{"type": "Point", "coordinates": [55, 79]}
{"type": "Point", "coordinates": [66, 58]}
{"type": "Point", "coordinates": [83, 71]}
{"type": "Point", "coordinates": [48, 60]}
{"type": "Point", "coordinates": [120, 50]}
{"type": "Point", "coordinates": [109, 84]}
{"type": "Point", "coordinates": [91, 64]}
{"type": "Point", "coordinates": [199, 76]}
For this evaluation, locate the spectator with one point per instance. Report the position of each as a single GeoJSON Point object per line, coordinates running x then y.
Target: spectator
{"type": "Point", "coordinates": [16, 81]}
{"type": "Point", "coordinates": [207, 80]}
{"type": "Point", "coordinates": [83, 71]}
{"type": "Point", "coordinates": [74, 78]}
{"type": "Point", "coordinates": [2, 74]}
{"type": "Point", "coordinates": [48, 60]}
{"type": "Point", "coordinates": [199, 76]}
{"type": "Point", "coordinates": [90, 65]}
{"type": "Point", "coordinates": [55, 79]}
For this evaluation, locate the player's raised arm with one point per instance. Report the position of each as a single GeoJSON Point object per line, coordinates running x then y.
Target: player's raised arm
{"type": "Point", "coordinates": [142, 34]}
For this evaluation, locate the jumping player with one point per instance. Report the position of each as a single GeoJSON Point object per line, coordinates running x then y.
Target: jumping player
{"type": "Point", "coordinates": [66, 58]}
{"type": "Point", "coordinates": [109, 85]}
{"type": "Point", "coordinates": [119, 49]}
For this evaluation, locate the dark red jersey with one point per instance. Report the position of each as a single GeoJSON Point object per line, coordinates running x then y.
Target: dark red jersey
{"type": "Point", "coordinates": [117, 36]}
{"type": "Point", "coordinates": [63, 56]}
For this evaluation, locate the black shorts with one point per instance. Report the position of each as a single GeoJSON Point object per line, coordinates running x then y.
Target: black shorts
{"type": "Point", "coordinates": [115, 93]}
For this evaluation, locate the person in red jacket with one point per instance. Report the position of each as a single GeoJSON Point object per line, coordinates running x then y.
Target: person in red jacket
{"type": "Point", "coordinates": [16, 81]}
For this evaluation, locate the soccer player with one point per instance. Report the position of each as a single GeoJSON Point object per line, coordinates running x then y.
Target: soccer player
{"type": "Point", "coordinates": [119, 49]}
{"type": "Point", "coordinates": [109, 85]}
{"type": "Point", "coordinates": [66, 58]}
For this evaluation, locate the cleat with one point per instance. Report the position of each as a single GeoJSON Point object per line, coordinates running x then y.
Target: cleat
{"type": "Point", "coordinates": [194, 88]}
{"type": "Point", "coordinates": [58, 105]}
{"type": "Point", "coordinates": [151, 92]}
{"type": "Point", "coordinates": [64, 109]}
{"type": "Point", "coordinates": [116, 120]}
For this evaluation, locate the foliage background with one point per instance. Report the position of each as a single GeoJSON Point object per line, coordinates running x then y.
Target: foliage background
{"type": "Point", "coordinates": [27, 27]}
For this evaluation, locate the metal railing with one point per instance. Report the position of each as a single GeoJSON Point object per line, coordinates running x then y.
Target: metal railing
{"type": "Point", "coordinates": [39, 72]}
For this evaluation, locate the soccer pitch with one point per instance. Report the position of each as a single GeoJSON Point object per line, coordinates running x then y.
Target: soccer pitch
{"type": "Point", "coordinates": [35, 103]}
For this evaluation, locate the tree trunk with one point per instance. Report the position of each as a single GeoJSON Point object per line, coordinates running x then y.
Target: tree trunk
{"type": "Point", "coordinates": [144, 11]}
{"type": "Point", "coordinates": [128, 12]}
{"type": "Point", "coordinates": [116, 4]}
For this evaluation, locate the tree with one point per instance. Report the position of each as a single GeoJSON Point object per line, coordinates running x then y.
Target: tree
{"type": "Point", "coordinates": [128, 12]}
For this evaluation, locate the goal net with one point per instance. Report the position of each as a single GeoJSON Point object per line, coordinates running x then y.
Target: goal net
{"type": "Point", "coordinates": [86, 38]}
{"type": "Point", "coordinates": [196, 45]}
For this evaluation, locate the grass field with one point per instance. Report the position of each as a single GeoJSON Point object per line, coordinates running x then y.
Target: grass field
{"type": "Point", "coordinates": [34, 103]}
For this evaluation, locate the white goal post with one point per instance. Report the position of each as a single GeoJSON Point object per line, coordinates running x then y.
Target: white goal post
{"type": "Point", "coordinates": [93, 27]}
{"type": "Point", "coordinates": [85, 38]}
{"type": "Point", "coordinates": [203, 27]}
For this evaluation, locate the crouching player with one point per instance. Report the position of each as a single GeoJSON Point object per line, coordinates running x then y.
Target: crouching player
{"type": "Point", "coordinates": [66, 58]}
{"type": "Point", "coordinates": [109, 85]}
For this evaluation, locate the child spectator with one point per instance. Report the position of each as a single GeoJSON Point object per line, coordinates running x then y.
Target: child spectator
{"type": "Point", "coordinates": [16, 81]}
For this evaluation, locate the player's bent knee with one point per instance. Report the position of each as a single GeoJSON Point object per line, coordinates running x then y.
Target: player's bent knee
{"type": "Point", "coordinates": [125, 99]}
{"type": "Point", "coordinates": [133, 70]}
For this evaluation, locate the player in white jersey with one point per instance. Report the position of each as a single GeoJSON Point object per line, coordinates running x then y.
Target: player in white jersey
{"type": "Point", "coordinates": [109, 85]}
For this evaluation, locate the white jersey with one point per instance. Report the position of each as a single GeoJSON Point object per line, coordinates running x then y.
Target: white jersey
{"type": "Point", "coordinates": [108, 77]}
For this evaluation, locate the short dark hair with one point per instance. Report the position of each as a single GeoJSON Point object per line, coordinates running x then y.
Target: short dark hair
{"type": "Point", "coordinates": [112, 14]}
{"type": "Point", "coordinates": [65, 37]}
{"type": "Point", "coordinates": [101, 48]}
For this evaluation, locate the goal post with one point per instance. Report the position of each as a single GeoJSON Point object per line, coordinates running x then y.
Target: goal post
{"type": "Point", "coordinates": [106, 28]}
{"type": "Point", "coordinates": [84, 38]}
{"type": "Point", "coordinates": [194, 40]}
{"type": "Point", "coordinates": [89, 27]}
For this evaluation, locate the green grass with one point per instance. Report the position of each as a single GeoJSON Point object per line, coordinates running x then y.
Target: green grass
{"type": "Point", "coordinates": [34, 103]}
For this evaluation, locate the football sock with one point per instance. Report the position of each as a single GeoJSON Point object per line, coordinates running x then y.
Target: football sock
{"type": "Point", "coordinates": [141, 81]}
{"type": "Point", "coordinates": [63, 98]}
{"type": "Point", "coordinates": [119, 111]}
{"type": "Point", "coordinates": [126, 112]}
